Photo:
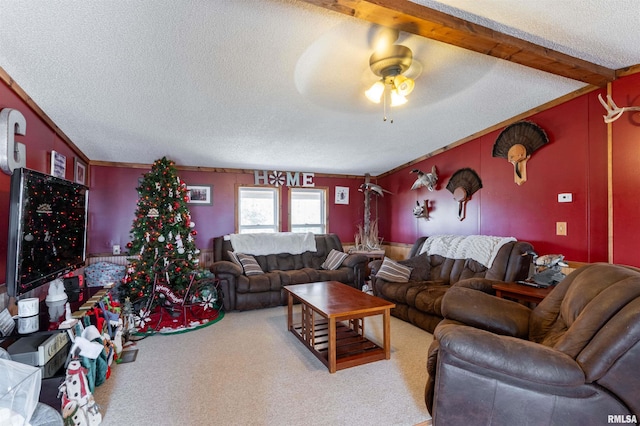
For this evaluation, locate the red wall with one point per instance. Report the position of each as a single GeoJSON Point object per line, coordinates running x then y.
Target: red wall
{"type": "Point", "coordinates": [113, 198]}
{"type": "Point", "coordinates": [626, 173]}
{"type": "Point", "coordinates": [575, 161]}
{"type": "Point", "coordinates": [39, 140]}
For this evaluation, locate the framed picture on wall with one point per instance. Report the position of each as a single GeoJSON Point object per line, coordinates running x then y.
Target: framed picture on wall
{"type": "Point", "coordinates": [200, 194]}
{"type": "Point", "coordinates": [342, 195]}
{"type": "Point", "coordinates": [79, 171]}
{"type": "Point", "coordinates": [58, 165]}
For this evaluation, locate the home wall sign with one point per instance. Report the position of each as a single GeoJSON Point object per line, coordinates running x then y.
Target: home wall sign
{"type": "Point", "coordinates": [13, 155]}
{"type": "Point", "coordinates": [275, 178]}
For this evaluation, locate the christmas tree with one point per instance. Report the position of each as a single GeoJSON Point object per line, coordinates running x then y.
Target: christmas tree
{"type": "Point", "coordinates": [162, 234]}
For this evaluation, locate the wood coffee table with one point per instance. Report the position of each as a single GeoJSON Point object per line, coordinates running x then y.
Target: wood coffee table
{"type": "Point", "coordinates": [332, 323]}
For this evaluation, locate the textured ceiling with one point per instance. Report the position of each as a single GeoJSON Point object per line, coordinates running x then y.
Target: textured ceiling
{"type": "Point", "coordinates": [278, 84]}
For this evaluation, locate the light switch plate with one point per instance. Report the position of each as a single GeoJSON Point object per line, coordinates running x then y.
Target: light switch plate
{"type": "Point", "coordinates": [561, 228]}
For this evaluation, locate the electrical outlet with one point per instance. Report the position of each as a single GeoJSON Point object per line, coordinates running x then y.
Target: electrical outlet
{"type": "Point", "coordinates": [565, 197]}
{"type": "Point", "coordinates": [561, 228]}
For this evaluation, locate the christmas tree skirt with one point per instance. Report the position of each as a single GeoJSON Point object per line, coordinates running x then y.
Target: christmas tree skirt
{"type": "Point", "coordinates": [164, 322]}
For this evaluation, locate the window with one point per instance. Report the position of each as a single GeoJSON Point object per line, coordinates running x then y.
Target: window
{"type": "Point", "coordinates": [307, 210]}
{"type": "Point", "coordinates": [258, 210]}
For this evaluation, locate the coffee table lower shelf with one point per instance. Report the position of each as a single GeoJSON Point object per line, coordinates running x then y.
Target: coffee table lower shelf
{"type": "Point", "coordinates": [352, 347]}
{"type": "Point", "coordinates": [330, 323]}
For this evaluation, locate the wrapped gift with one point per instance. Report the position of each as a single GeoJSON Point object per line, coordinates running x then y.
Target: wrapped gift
{"type": "Point", "coordinates": [101, 274]}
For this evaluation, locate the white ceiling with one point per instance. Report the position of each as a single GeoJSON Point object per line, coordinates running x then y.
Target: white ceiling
{"type": "Point", "coordinates": [278, 84]}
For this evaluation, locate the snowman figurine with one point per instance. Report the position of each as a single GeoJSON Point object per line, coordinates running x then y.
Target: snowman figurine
{"type": "Point", "coordinates": [78, 406]}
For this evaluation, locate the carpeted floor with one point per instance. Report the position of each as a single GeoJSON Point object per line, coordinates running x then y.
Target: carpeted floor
{"type": "Point", "coordinates": [248, 369]}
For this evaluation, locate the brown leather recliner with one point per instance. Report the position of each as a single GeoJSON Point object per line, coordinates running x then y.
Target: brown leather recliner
{"type": "Point", "coordinates": [574, 359]}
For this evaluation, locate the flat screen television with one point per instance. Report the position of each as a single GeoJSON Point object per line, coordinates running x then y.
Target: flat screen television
{"type": "Point", "coordinates": [47, 229]}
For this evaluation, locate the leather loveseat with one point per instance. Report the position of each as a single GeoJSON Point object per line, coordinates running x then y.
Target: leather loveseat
{"type": "Point", "coordinates": [418, 300]}
{"type": "Point", "coordinates": [242, 292]}
{"type": "Point", "coordinates": [572, 360]}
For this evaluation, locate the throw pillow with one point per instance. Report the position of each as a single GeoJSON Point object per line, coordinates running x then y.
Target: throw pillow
{"type": "Point", "coordinates": [234, 258]}
{"type": "Point", "coordinates": [250, 264]}
{"type": "Point", "coordinates": [392, 271]}
{"type": "Point", "coordinates": [420, 267]}
{"type": "Point", "coordinates": [334, 259]}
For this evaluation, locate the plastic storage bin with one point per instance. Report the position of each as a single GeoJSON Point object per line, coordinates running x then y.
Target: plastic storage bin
{"type": "Point", "coordinates": [19, 392]}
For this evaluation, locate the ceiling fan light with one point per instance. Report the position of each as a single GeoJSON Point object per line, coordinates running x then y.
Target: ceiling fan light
{"type": "Point", "coordinates": [403, 85]}
{"type": "Point", "coordinates": [397, 99]}
{"type": "Point", "coordinates": [374, 94]}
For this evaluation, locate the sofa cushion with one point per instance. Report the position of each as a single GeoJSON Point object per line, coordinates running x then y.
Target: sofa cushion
{"type": "Point", "coordinates": [265, 282]}
{"type": "Point", "coordinates": [420, 267]}
{"type": "Point", "coordinates": [428, 299]}
{"type": "Point", "coordinates": [472, 269]}
{"type": "Point", "coordinates": [397, 292]}
{"type": "Point", "coordinates": [334, 260]}
{"type": "Point", "coordinates": [249, 264]}
{"type": "Point", "coordinates": [394, 272]}
{"type": "Point", "coordinates": [299, 276]}
{"type": "Point", "coordinates": [341, 275]}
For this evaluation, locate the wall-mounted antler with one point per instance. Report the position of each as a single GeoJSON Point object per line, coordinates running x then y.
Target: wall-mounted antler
{"type": "Point", "coordinates": [613, 111]}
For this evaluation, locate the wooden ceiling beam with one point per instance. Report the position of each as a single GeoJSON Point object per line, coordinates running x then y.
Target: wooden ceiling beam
{"type": "Point", "coordinates": [430, 23]}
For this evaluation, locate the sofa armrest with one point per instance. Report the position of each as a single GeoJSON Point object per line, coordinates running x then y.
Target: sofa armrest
{"type": "Point", "coordinates": [481, 284]}
{"type": "Point", "coordinates": [505, 355]}
{"type": "Point", "coordinates": [224, 266]}
{"type": "Point", "coordinates": [354, 260]}
{"type": "Point", "coordinates": [487, 312]}
{"type": "Point", "coordinates": [374, 266]}
{"type": "Point", "coordinates": [228, 274]}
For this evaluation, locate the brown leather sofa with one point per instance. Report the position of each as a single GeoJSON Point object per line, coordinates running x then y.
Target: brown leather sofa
{"type": "Point", "coordinates": [571, 360]}
{"type": "Point", "coordinates": [418, 300]}
{"type": "Point", "coordinates": [241, 292]}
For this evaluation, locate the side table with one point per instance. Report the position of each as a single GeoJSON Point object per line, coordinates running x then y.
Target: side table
{"type": "Point", "coordinates": [371, 256]}
{"type": "Point", "coordinates": [521, 292]}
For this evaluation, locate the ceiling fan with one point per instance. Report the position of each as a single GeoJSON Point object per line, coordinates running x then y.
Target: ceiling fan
{"type": "Point", "coordinates": [390, 61]}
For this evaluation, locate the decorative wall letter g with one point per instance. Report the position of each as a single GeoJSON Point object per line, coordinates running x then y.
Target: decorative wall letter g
{"type": "Point", "coordinates": [13, 154]}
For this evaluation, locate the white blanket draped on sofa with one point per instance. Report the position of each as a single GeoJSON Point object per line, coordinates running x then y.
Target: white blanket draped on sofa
{"type": "Point", "coordinates": [273, 243]}
{"type": "Point", "coordinates": [481, 248]}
